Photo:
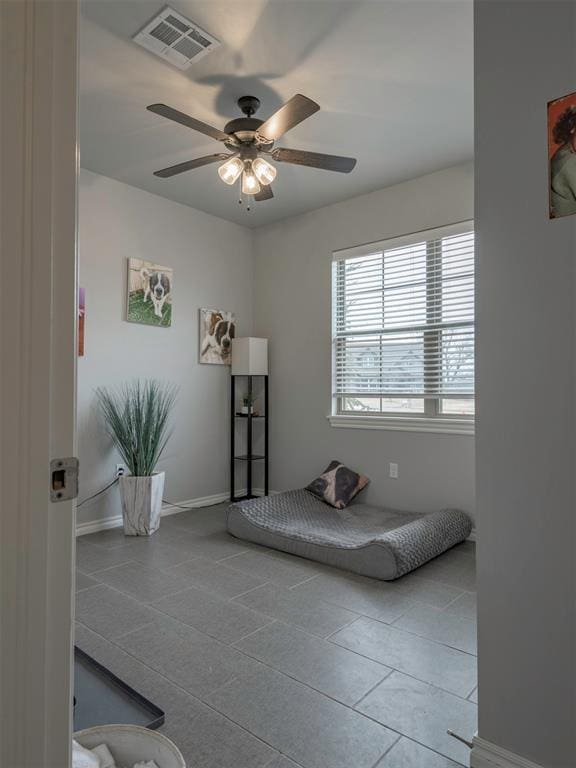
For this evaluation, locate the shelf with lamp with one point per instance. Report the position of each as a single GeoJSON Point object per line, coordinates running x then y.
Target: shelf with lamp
{"type": "Point", "coordinates": [249, 362]}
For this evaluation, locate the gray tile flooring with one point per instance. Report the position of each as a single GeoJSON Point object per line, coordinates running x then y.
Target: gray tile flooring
{"type": "Point", "coordinates": [264, 660]}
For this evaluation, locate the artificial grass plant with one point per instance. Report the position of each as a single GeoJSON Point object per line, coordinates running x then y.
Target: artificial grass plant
{"type": "Point", "coordinates": [137, 419]}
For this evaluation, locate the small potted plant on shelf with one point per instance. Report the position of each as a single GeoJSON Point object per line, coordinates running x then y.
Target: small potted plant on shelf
{"type": "Point", "coordinates": [137, 420]}
{"type": "Point", "coordinates": [248, 403]}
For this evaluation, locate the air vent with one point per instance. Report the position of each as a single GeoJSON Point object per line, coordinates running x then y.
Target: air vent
{"type": "Point", "coordinates": [175, 38]}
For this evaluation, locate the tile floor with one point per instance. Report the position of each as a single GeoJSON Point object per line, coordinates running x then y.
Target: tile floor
{"type": "Point", "coordinates": [264, 660]}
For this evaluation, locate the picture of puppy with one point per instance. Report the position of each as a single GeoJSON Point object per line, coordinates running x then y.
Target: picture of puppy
{"type": "Point", "coordinates": [149, 293]}
{"type": "Point", "coordinates": [217, 329]}
{"type": "Point", "coordinates": [156, 288]}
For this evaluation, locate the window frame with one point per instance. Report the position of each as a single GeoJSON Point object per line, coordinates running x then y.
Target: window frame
{"type": "Point", "coordinates": [432, 418]}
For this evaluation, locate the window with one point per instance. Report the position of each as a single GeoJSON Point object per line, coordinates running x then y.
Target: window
{"type": "Point", "coordinates": [403, 327]}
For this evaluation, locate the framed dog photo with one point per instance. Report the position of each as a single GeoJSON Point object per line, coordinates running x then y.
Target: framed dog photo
{"type": "Point", "coordinates": [217, 329]}
{"type": "Point", "coordinates": [562, 156]}
{"type": "Point", "coordinates": [149, 293]}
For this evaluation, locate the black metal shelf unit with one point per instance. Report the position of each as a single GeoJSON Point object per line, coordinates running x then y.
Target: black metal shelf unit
{"type": "Point", "coordinates": [249, 457]}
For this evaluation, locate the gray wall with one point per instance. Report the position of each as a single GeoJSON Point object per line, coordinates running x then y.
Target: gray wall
{"type": "Point", "coordinates": [525, 430]}
{"type": "Point", "coordinates": [292, 308]}
{"type": "Point", "coordinates": [212, 262]}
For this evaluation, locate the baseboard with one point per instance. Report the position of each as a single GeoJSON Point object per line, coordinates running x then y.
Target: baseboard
{"type": "Point", "coordinates": [93, 526]}
{"type": "Point", "coordinates": [201, 501]}
{"type": "Point", "coordinates": [487, 755]}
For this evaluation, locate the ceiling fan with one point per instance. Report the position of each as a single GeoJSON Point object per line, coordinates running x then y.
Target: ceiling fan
{"type": "Point", "coordinates": [251, 142]}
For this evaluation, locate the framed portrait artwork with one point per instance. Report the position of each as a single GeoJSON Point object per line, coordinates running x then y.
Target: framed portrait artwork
{"type": "Point", "coordinates": [217, 329]}
{"type": "Point", "coordinates": [562, 156]}
{"type": "Point", "coordinates": [149, 298]}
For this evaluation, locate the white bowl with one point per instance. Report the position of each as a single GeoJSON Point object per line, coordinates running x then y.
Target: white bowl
{"type": "Point", "coordinates": [130, 744]}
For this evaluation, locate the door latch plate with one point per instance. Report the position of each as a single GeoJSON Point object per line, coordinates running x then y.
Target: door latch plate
{"type": "Point", "coordinates": [63, 479]}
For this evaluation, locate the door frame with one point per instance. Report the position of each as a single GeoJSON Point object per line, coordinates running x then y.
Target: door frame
{"type": "Point", "coordinates": [38, 189]}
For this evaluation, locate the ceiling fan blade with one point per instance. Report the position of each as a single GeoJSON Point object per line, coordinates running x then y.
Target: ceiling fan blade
{"type": "Point", "coordinates": [264, 194]}
{"type": "Point", "coordinates": [314, 159]}
{"type": "Point", "coordinates": [190, 122]}
{"type": "Point", "coordinates": [295, 110]}
{"type": "Point", "coordinates": [189, 165]}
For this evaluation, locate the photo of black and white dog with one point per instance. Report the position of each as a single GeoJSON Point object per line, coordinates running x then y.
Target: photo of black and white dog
{"type": "Point", "coordinates": [149, 293]}
{"type": "Point", "coordinates": [217, 329]}
{"type": "Point", "coordinates": [156, 288]}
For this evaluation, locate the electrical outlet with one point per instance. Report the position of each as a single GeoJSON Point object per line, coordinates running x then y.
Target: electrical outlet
{"type": "Point", "coordinates": [393, 470]}
{"type": "Point", "coordinates": [121, 470]}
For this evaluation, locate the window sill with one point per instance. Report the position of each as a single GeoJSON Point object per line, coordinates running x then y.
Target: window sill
{"type": "Point", "coordinates": [404, 424]}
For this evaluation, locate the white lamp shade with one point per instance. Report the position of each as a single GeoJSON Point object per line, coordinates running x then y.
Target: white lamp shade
{"type": "Point", "coordinates": [249, 357]}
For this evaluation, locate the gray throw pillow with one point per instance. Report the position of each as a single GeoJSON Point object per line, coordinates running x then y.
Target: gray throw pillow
{"type": "Point", "coordinates": [338, 485]}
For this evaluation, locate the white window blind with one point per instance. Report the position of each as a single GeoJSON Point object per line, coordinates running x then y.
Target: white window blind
{"type": "Point", "coordinates": [403, 317]}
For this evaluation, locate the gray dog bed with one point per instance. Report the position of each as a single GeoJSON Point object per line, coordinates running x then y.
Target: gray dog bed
{"type": "Point", "coordinates": [372, 541]}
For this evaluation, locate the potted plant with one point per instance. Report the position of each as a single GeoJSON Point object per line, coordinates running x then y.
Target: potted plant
{"type": "Point", "coordinates": [137, 420]}
{"type": "Point", "coordinates": [248, 401]}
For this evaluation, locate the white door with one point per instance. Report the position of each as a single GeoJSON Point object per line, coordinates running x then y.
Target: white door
{"type": "Point", "coordinates": [38, 159]}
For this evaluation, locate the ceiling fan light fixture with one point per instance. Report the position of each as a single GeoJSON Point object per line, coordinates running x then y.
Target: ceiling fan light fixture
{"type": "Point", "coordinates": [264, 171]}
{"type": "Point", "coordinates": [230, 171]}
{"type": "Point", "coordinates": [250, 184]}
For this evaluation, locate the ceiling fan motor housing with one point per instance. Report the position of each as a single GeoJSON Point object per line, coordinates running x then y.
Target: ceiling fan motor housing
{"type": "Point", "coordinates": [243, 129]}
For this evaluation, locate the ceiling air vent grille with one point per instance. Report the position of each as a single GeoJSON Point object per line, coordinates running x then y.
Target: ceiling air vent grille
{"type": "Point", "coordinates": [175, 38]}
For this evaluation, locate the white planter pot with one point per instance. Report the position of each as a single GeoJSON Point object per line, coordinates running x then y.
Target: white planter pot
{"type": "Point", "coordinates": [141, 503]}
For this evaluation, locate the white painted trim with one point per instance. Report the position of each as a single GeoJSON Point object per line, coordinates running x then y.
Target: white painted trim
{"type": "Point", "coordinates": [404, 424]}
{"type": "Point", "coordinates": [38, 157]}
{"type": "Point", "coordinates": [93, 526]}
{"type": "Point", "coordinates": [487, 755]}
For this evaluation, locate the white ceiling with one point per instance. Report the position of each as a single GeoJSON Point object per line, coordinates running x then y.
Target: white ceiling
{"type": "Point", "coordinates": [393, 78]}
